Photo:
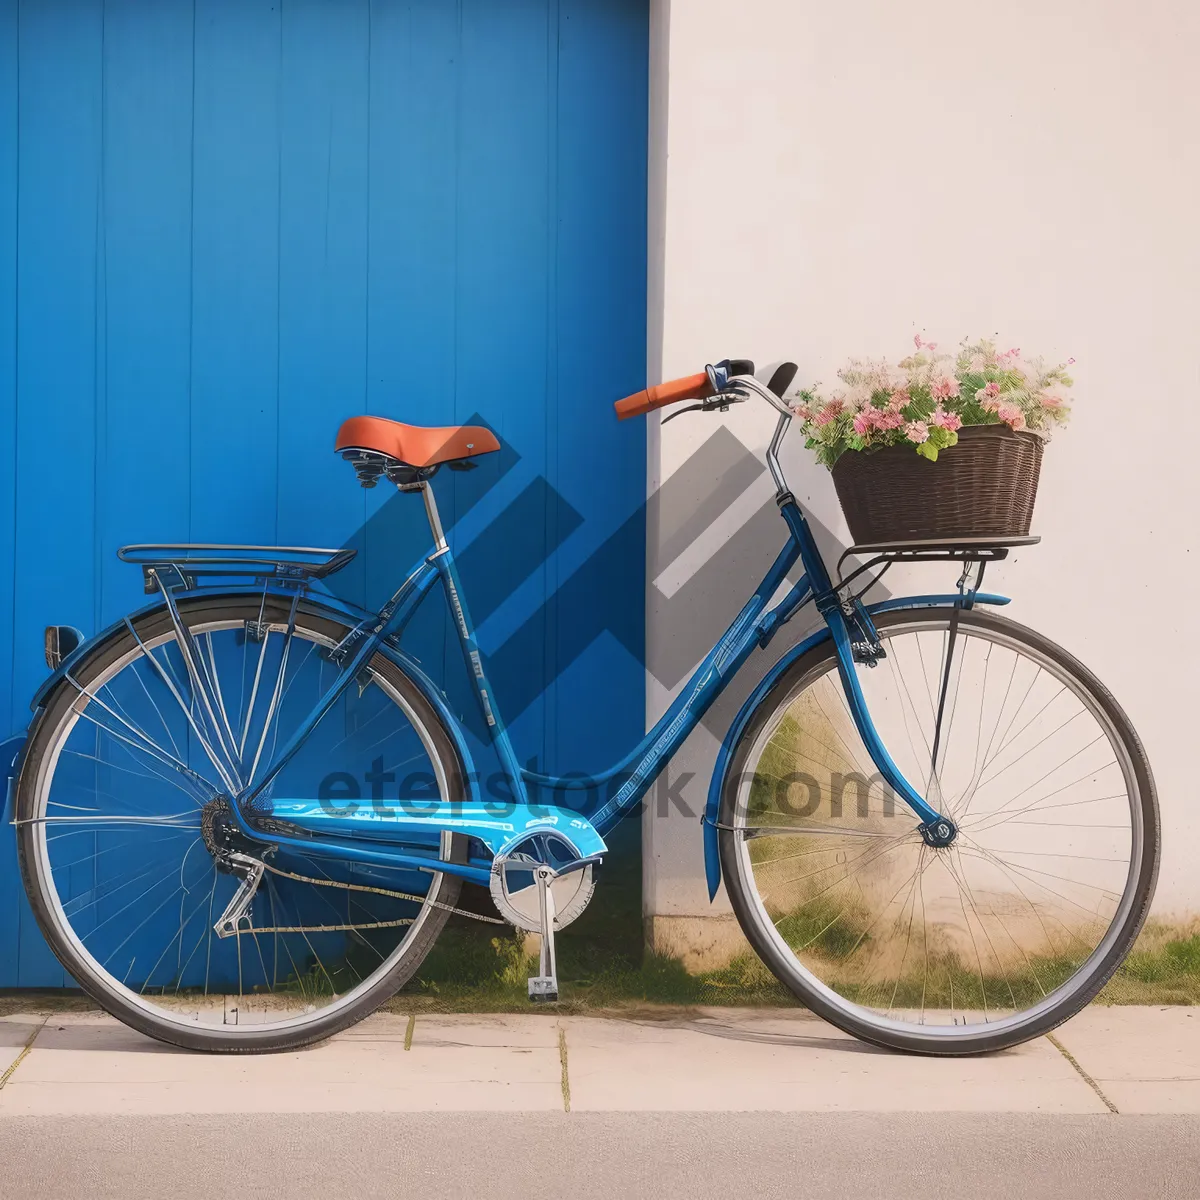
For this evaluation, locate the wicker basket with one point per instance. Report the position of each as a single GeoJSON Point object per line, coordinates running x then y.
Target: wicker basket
{"type": "Point", "coordinates": [981, 488]}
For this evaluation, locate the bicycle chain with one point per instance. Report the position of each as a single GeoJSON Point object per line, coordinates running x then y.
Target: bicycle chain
{"type": "Point", "coordinates": [361, 887]}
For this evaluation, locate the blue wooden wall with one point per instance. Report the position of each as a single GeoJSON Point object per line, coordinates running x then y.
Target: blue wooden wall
{"type": "Point", "coordinates": [225, 225]}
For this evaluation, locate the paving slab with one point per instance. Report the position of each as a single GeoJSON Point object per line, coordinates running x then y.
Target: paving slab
{"type": "Point", "coordinates": [90, 1063]}
{"type": "Point", "coordinates": [748, 1061]}
{"type": "Point", "coordinates": [1145, 1060]}
{"type": "Point", "coordinates": [714, 1060]}
{"type": "Point", "coordinates": [515, 1031]}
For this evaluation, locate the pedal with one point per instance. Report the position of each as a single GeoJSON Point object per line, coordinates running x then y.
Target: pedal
{"type": "Point", "coordinates": [543, 987]}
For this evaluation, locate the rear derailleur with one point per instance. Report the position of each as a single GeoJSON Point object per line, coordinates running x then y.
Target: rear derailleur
{"type": "Point", "coordinates": [233, 854]}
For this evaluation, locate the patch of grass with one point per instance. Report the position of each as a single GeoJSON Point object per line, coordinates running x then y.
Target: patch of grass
{"type": "Point", "coordinates": [39, 1000]}
{"type": "Point", "coordinates": [1163, 968]}
{"type": "Point", "coordinates": [472, 976]}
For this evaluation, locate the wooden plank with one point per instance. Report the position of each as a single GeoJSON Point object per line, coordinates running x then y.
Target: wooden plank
{"type": "Point", "coordinates": [599, 327]}
{"type": "Point", "coordinates": [235, 272]}
{"type": "Point", "coordinates": [322, 272]}
{"type": "Point", "coordinates": [143, 454]}
{"type": "Point", "coordinates": [504, 270]}
{"type": "Point", "coordinates": [59, 388]}
{"type": "Point", "coordinates": [11, 710]}
{"type": "Point", "coordinates": [411, 361]}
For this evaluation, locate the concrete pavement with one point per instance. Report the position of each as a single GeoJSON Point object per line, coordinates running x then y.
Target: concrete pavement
{"type": "Point", "coordinates": [602, 1156]}
{"type": "Point", "coordinates": [1105, 1061]}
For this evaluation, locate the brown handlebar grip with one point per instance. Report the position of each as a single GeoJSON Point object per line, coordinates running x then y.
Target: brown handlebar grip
{"type": "Point", "coordinates": [692, 387]}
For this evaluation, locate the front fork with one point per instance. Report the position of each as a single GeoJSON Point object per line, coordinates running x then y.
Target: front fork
{"type": "Point", "coordinates": [856, 640]}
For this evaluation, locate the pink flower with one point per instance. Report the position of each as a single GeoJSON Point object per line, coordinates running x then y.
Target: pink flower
{"type": "Point", "coordinates": [1052, 400]}
{"type": "Point", "coordinates": [871, 419]}
{"type": "Point", "coordinates": [899, 399]}
{"type": "Point", "coordinates": [988, 392]}
{"type": "Point", "coordinates": [917, 340]}
{"type": "Point", "coordinates": [946, 420]}
{"type": "Point", "coordinates": [1014, 352]}
{"type": "Point", "coordinates": [991, 404]}
{"type": "Point", "coordinates": [831, 410]}
{"type": "Point", "coordinates": [943, 386]}
{"type": "Point", "coordinates": [1070, 362]}
{"type": "Point", "coordinates": [917, 431]}
{"type": "Point", "coordinates": [1012, 415]}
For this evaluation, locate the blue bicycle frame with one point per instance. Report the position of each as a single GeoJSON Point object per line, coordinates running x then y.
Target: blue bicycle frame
{"type": "Point", "coordinates": [501, 825]}
{"type": "Point", "coordinates": [403, 839]}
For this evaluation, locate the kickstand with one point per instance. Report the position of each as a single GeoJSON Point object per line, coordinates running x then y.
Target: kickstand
{"type": "Point", "coordinates": [544, 986]}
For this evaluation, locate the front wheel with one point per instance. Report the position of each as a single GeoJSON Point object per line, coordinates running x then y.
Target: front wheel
{"type": "Point", "coordinates": [973, 947]}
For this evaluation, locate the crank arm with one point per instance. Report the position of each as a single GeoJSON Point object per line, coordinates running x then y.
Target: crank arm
{"type": "Point", "coordinates": [543, 987]}
{"type": "Point", "coordinates": [532, 866]}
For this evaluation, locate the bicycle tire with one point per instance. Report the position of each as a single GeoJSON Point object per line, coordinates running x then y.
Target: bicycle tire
{"type": "Point", "coordinates": [752, 915]}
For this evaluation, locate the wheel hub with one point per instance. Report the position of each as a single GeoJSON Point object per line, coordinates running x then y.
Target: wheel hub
{"type": "Point", "coordinates": [939, 832]}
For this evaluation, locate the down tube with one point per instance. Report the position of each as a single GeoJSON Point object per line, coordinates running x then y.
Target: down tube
{"type": "Point", "coordinates": [705, 685]}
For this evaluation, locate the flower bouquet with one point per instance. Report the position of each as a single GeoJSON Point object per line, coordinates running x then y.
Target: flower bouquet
{"type": "Point", "coordinates": [937, 446]}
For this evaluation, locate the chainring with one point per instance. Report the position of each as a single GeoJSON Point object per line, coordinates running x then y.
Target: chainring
{"type": "Point", "coordinates": [516, 895]}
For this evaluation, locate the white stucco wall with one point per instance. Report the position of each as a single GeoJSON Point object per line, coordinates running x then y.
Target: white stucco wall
{"type": "Point", "coordinates": [839, 176]}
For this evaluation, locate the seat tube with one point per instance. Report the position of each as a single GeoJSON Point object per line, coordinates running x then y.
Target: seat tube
{"type": "Point", "coordinates": [443, 558]}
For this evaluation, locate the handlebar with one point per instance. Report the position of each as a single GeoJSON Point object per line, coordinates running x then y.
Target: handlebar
{"type": "Point", "coordinates": [690, 387]}
{"type": "Point", "coordinates": [731, 376]}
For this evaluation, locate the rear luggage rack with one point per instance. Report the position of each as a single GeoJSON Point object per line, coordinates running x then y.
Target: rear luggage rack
{"type": "Point", "coordinates": [188, 566]}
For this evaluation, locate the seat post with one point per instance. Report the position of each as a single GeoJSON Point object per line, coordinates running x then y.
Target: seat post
{"type": "Point", "coordinates": [431, 511]}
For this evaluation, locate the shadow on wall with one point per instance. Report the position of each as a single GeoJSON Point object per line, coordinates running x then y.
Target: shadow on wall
{"type": "Point", "coordinates": [690, 603]}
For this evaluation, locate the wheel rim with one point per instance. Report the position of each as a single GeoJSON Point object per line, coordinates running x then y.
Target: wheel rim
{"type": "Point", "coordinates": [981, 938]}
{"type": "Point", "coordinates": [126, 868]}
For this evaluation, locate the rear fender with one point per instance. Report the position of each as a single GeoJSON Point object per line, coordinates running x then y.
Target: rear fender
{"type": "Point", "coordinates": [328, 607]}
{"type": "Point", "coordinates": [12, 754]}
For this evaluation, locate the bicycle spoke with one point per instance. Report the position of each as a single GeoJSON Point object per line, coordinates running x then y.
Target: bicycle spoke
{"type": "Point", "coordinates": [273, 706]}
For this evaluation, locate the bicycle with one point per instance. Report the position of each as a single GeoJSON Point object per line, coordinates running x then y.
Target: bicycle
{"type": "Point", "coordinates": [988, 875]}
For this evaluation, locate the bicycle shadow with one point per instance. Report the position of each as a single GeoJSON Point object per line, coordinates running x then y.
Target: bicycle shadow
{"type": "Point", "coordinates": [741, 1029]}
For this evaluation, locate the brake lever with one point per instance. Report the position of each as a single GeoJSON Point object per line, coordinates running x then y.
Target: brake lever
{"type": "Point", "coordinates": [718, 403]}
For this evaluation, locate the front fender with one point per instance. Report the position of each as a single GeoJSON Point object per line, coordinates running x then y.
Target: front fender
{"type": "Point", "coordinates": [712, 857]}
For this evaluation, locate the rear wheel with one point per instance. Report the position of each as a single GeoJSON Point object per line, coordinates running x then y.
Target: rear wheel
{"type": "Point", "coordinates": [979, 945]}
{"type": "Point", "coordinates": [125, 832]}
